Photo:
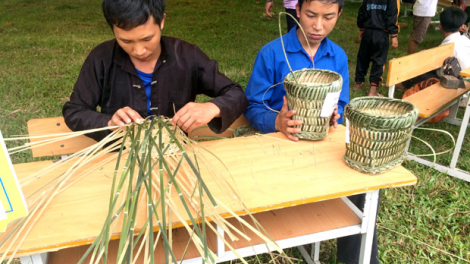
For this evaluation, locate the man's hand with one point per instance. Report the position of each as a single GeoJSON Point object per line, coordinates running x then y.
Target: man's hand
{"type": "Point", "coordinates": [194, 115]}
{"type": "Point", "coordinates": [359, 37]}
{"type": "Point", "coordinates": [285, 124]}
{"type": "Point", "coordinates": [268, 7]}
{"type": "Point", "coordinates": [463, 29]}
{"type": "Point", "coordinates": [394, 43]}
{"type": "Point", "coordinates": [124, 116]}
{"type": "Point", "coordinates": [334, 118]}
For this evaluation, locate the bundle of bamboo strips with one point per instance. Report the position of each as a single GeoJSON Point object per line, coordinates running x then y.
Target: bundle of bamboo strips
{"type": "Point", "coordinates": [157, 181]}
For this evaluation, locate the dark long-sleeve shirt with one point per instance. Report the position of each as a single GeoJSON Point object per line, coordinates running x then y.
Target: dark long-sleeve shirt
{"type": "Point", "coordinates": [109, 80]}
{"type": "Point", "coordinates": [379, 14]}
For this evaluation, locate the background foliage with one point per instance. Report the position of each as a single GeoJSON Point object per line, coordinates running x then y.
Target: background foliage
{"type": "Point", "coordinates": [43, 44]}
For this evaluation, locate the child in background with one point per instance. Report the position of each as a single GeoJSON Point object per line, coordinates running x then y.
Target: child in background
{"type": "Point", "coordinates": [377, 21]}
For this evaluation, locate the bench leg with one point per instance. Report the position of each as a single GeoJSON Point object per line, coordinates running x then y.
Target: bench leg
{"type": "Point", "coordinates": [452, 118]}
{"type": "Point", "coordinates": [452, 169]}
{"type": "Point", "coordinates": [458, 144]}
{"type": "Point", "coordinates": [391, 91]}
{"type": "Point", "coordinates": [407, 9]}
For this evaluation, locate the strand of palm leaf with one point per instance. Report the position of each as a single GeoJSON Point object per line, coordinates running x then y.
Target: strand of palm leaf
{"type": "Point", "coordinates": [157, 182]}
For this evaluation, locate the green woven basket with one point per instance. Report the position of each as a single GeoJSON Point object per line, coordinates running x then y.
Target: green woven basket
{"type": "Point", "coordinates": [306, 92]}
{"type": "Point", "coordinates": [379, 129]}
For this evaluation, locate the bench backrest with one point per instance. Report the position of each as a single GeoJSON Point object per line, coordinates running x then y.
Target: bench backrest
{"type": "Point", "coordinates": [205, 132]}
{"type": "Point", "coordinates": [410, 66]}
{"type": "Point", "coordinates": [55, 125]}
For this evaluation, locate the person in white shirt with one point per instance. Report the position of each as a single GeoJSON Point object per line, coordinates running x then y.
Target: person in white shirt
{"type": "Point", "coordinates": [289, 5]}
{"type": "Point", "coordinates": [452, 21]}
{"type": "Point", "coordinates": [423, 12]}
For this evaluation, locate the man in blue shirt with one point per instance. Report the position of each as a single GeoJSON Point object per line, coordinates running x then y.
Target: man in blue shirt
{"type": "Point", "coordinates": [318, 20]}
{"type": "Point", "coordinates": [265, 90]}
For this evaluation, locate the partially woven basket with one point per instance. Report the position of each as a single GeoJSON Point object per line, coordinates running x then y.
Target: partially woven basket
{"type": "Point", "coordinates": [379, 129]}
{"type": "Point", "coordinates": [306, 92]}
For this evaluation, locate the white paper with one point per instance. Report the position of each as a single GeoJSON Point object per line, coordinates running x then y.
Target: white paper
{"type": "Point", "coordinates": [347, 131]}
{"type": "Point", "coordinates": [331, 101]}
{"type": "Point", "coordinates": [3, 214]}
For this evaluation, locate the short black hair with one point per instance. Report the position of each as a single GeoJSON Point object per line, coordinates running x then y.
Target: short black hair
{"type": "Point", "coordinates": [452, 18]}
{"type": "Point", "coordinates": [128, 14]}
{"type": "Point", "coordinates": [339, 2]}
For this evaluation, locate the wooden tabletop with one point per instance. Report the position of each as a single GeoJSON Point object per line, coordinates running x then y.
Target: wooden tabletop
{"type": "Point", "coordinates": [268, 171]}
{"type": "Point", "coordinates": [465, 73]}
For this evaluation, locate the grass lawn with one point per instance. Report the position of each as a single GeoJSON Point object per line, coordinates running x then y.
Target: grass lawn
{"type": "Point", "coordinates": [43, 44]}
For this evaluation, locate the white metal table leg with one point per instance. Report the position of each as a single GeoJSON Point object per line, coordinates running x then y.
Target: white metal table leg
{"type": "Point", "coordinates": [220, 243]}
{"type": "Point", "coordinates": [368, 224]}
{"type": "Point", "coordinates": [35, 259]}
{"type": "Point", "coordinates": [316, 253]}
{"type": "Point", "coordinates": [314, 256]}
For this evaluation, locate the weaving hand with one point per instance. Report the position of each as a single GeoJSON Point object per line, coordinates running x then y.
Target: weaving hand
{"type": "Point", "coordinates": [194, 115]}
{"type": "Point", "coordinates": [285, 124]}
{"type": "Point", "coordinates": [124, 116]}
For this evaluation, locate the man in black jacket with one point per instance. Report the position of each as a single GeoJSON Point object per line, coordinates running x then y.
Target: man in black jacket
{"type": "Point", "coordinates": [142, 73]}
{"type": "Point", "coordinates": [377, 21]}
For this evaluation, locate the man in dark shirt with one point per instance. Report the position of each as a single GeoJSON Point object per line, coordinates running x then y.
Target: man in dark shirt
{"type": "Point", "coordinates": [142, 73]}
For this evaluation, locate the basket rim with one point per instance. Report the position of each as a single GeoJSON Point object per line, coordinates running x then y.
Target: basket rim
{"type": "Point", "coordinates": [370, 98]}
{"type": "Point", "coordinates": [290, 74]}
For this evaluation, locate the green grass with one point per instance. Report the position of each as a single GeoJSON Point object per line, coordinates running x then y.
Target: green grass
{"type": "Point", "coordinates": [43, 44]}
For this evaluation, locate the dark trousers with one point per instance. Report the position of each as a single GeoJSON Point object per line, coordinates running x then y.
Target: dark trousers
{"type": "Point", "coordinates": [373, 48]}
{"type": "Point", "coordinates": [349, 247]}
{"type": "Point", "coordinates": [290, 22]}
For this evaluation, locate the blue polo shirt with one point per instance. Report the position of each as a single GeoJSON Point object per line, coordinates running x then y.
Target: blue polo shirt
{"type": "Point", "coordinates": [271, 67]}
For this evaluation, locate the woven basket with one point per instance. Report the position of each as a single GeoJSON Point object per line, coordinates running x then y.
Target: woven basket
{"type": "Point", "coordinates": [379, 129]}
{"type": "Point", "coordinates": [306, 92]}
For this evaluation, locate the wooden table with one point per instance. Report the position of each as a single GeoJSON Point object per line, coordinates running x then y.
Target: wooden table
{"type": "Point", "coordinates": [302, 182]}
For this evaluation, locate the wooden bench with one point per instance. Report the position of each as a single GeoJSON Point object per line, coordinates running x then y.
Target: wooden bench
{"type": "Point", "coordinates": [432, 100]}
{"type": "Point", "coordinates": [408, 8]}
{"type": "Point", "coordinates": [444, 3]}
{"type": "Point", "coordinates": [465, 73]}
{"type": "Point", "coordinates": [55, 125]}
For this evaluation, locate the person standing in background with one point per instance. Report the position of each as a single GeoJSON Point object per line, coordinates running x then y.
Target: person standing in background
{"type": "Point", "coordinates": [423, 12]}
{"type": "Point", "coordinates": [378, 22]}
{"type": "Point", "coordinates": [289, 5]}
